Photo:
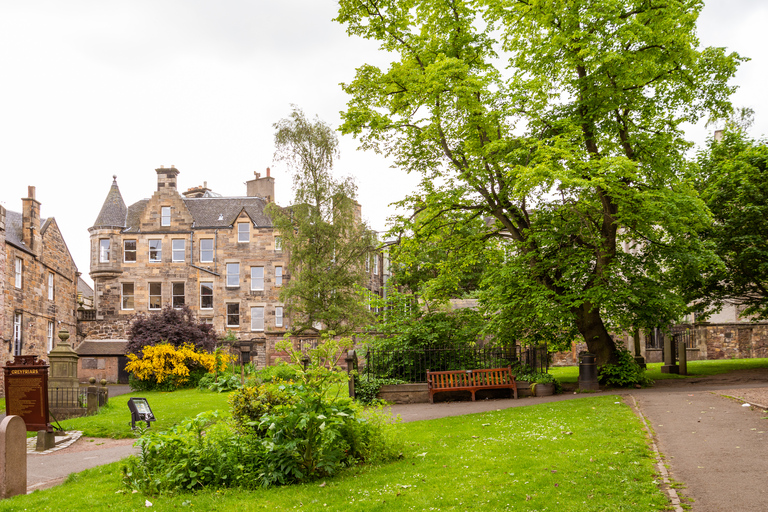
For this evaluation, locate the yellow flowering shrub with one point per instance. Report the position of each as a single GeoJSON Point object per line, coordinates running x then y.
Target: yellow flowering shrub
{"type": "Point", "coordinates": [169, 367]}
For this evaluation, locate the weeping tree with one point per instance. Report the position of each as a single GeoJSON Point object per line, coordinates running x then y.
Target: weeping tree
{"type": "Point", "coordinates": [558, 124]}
{"type": "Point", "coordinates": [322, 231]}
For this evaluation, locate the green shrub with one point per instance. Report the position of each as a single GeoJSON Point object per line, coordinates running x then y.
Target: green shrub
{"type": "Point", "coordinates": [198, 453]}
{"type": "Point", "coordinates": [626, 373]}
{"type": "Point", "coordinates": [367, 387]}
{"type": "Point", "coordinates": [250, 403]}
{"type": "Point", "coordinates": [281, 371]}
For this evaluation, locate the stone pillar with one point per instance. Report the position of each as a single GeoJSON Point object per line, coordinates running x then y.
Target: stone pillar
{"type": "Point", "coordinates": [669, 356]}
{"type": "Point", "coordinates": [93, 397]}
{"type": "Point", "coordinates": [62, 380]}
{"type": "Point", "coordinates": [13, 457]}
{"type": "Point", "coordinates": [682, 357]}
{"type": "Point", "coordinates": [639, 359]}
{"type": "Point", "coordinates": [351, 361]}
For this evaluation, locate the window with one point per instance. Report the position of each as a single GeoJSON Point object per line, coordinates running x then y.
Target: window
{"type": "Point", "coordinates": [155, 251]}
{"type": "Point", "coordinates": [50, 285]}
{"type": "Point", "coordinates": [50, 336]}
{"type": "Point", "coordinates": [129, 251]}
{"type": "Point", "coordinates": [127, 296]}
{"type": "Point", "coordinates": [233, 275]}
{"type": "Point", "coordinates": [155, 295]}
{"type": "Point", "coordinates": [257, 278]}
{"type": "Point", "coordinates": [375, 264]}
{"type": "Point", "coordinates": [233, 315]}
{"type": "Point", "coordinates": [18, 272]}
{"type": "Point", "coordinates": [278, 243]}
{"type": "Point", "coordinates": [177, 291]}
{"type": "Point", "coordinates": [257, 319]}
{"type": "Point", "coordinates": [17, 334]}
{"type": "Point", "coordinates": [206, 250]}
{"type": "Point", "coordinates": [243, 233]}
{"type": "Point", "coordinates": [206, 295]}
{"type": "Point", "coordinates": [104, 250]}
{"type": "Point", "coordinates": [278, 316]}
{"type": "Point", "coordinates": [177, 250]}
{"type": "Point", "coordinates": [278, 276]}
{"type": "Point", "coordinates": [165, 216]}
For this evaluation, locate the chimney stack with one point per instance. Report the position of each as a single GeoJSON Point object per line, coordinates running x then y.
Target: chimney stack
{"type": "Point", "coordinates": [261, 187]}
{"type": "Point", "coordinates": [166, 178]}
{"type": "Point", "coordinates": [30, 221]}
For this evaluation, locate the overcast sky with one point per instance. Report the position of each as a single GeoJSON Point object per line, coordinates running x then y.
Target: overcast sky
{"type": "Point", "coordinates": [96, 88]}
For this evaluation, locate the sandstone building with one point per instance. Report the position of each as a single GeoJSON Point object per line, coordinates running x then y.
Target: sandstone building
{"type": "Point", "coordinates": [220, 256]}
{"type": "Point", "coordinates": [38, 282]}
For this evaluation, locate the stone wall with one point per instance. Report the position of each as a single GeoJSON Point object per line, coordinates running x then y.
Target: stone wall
{"type": "Point", "coordinates": [733, 341]}
{"type": "Point", "coordinates": [99, 367]}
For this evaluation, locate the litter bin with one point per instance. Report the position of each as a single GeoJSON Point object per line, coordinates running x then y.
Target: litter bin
{"type": "Point", "coordinates": [588, 372]}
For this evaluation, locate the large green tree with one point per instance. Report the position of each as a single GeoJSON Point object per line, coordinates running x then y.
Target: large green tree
{"type": "Point", "coordinates": [734, 185]}
{"type": "Point", "coordinates": [322, 231]}
{"type": "Point", "coordinates": [560, 123]}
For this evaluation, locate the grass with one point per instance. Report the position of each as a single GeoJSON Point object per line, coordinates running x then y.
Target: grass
{"type": "Point", "coordinates": [168, 407]}
{"type": "Point", "coordinates": [695, 369]}
{"type": "Point", "coordinates": [587, 454]}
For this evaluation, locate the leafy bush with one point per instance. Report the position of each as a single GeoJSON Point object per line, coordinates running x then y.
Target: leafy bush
{"type": "Point", "coordinates": [250, 403]}
{"type": "Point", "coordinates": [626, 373]}
{"type": "Point", "coordinates": [175, 326]}
{"type": "Point", "coordinates": [197, 453]}
{"type": "Point", "coordinates": [367, 387]}
{"type": "Point", "coordinates": [164, 367]}
{"type": "Point", "coordinates": [281, 371]}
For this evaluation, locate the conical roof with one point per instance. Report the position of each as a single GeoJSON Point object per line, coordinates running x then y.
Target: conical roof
{"type": "Point", "coordinates": [113, 211]}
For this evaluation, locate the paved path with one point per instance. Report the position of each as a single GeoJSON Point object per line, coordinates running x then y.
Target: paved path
{"type": "Point", "coordinates": [713, 445]}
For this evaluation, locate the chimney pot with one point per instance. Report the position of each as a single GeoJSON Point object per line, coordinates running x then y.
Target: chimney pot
{"type": "Point", "coordinates": [267, 172]}
{"type": "Point", "coordinates": [31, 192]}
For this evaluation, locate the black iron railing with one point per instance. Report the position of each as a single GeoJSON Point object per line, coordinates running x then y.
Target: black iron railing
{"type": "Point", "coordinates": [411, 365]}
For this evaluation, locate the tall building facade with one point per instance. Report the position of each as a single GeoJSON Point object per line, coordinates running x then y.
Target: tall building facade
{"type": "Point", "coordinates": [38, 282]}
{"type": "Point", "coordinates": [220, 256]}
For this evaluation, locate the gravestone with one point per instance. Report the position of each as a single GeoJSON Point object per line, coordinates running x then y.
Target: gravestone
{"type": "Point", "coordinates": [26, 392]}
{"type": "Point", "coordinates": [13, 457]}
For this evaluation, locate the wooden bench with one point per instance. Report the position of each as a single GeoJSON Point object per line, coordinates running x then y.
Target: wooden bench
{"type": "Point", "coordinates": [470, 380]}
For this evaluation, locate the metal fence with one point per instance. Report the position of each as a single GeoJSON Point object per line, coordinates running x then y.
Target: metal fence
{"type": "Point", "coordinates": [655, 338]}
{"type": "Point", "coordinates": [411, 365]}
{"type": "Point", "coordinates": [67, 397]}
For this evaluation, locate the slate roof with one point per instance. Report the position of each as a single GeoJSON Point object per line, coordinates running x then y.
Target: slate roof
{"type": "Point", "coordinates": [210, 211]}
{"type": "Point", "coordinates": [214, 212]}
{"type": "Point", "coordinates": [113, 210]}
{"type": "Point", "coordinates": [102, 348]}
{"type": "Point", "coordinates": [13, 228]}
{"type": "Point", "coordinates": [84, 288]}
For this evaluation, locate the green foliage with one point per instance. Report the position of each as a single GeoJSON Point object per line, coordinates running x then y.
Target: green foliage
{"type": "Point", "coordinates": [552, 134]}
{"type": "Point", "coordinates": [225, 381]}
{"type": "Point", "coordinates": [734, 185]}
{"type": "Point", "coordinates": [250, 403]}
{"type": "Point", "coordinates": [327, 240]}
{"type": "Point", "coordinates": [203, 452]}
{"type": "Point", "coordinates": [625, 373]}
{"type": "Point", "coordinates": [461, 328]}
{"type": "Point", "coordinates": [367, 387]}
{"type": "Point", "coordinates": [278, 372]}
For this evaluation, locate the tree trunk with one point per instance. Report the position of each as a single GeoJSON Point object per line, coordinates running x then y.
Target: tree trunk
{"type": "Point", "coordinates": [592, 328]}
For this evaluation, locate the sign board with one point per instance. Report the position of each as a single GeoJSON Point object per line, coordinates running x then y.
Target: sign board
{"type": "Point", "coordinates": [26, 392]}
{"type": "Point", "coordinates": [140, 411]}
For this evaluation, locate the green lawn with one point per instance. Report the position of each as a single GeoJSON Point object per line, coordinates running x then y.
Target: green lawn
{"type": "Point", "coordinates": [169, 408]}
{"type": "Point", "coordinates": [587, 454]}
{"type": "Point", "coordinates": [695, 369]}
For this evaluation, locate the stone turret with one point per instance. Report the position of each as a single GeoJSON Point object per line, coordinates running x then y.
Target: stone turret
{"type": "Point", "coordinates": [106, 253]}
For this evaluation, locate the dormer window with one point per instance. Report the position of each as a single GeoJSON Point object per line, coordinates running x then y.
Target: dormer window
{"type": "Point", "coordinates": [243, 232]}
{"type": "Point", "coordinates": [165, 216]}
